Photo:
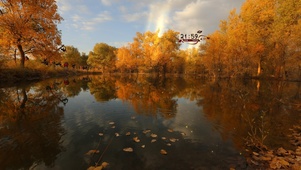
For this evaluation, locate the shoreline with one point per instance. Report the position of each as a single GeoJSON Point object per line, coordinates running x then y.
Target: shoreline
{"type": "Point", "coordinates": [17, 75]}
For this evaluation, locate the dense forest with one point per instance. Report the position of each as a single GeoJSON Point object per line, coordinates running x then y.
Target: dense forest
{"type": "Point", "coordinates": [261, 41]}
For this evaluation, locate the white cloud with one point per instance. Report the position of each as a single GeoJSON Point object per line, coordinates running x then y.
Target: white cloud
{"type": "Point", "coordinates": [118, 44]}
{"type": "Point", "coordinates": [83, 9]}
{"type": "Point", "coordinates": [89, 24]}
{"type": "Point", "coordinates": [64, 6]}
{"type": "Point", "coordinates": [123, 9]}
{"type": "Point", "coordinates": [188, 16]}
{"type": "Point", "coordinates": [134, 16]}
{"type": "Point", "coordinates": [106, 2]}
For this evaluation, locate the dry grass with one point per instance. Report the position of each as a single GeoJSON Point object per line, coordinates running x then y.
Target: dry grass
{"type": "Point", "coordinates": [12, 72]}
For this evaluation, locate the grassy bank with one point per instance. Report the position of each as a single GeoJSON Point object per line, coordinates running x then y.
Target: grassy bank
{"type": "Point", "coordinates": [12, 75]}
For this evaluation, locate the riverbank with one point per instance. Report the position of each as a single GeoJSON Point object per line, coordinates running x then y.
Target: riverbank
{"type": "Point", "coordinates": [14, 75]}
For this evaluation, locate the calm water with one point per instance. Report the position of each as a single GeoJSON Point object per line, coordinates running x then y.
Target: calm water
{"type": "Point", "coordinates": [58, 123]}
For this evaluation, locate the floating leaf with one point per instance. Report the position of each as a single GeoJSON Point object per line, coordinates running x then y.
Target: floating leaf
{"type": "Point", "coordinates": [111, 123]}
{"type": "Point", "coordinates": [153, 140]}
{"type": "Point", "coordinates": [90, 152]}
{"type": "Point", "coordinates": [170, 130]}
{"type": "Point", "coordinates": [143, 146]}
{"type": "Point", "coordinates": [128, 133]}
{"type": "Point", "coordinates": [146, 131]}
{"type": "Point", "coordinates": [154, 135]}
{"type": "Point", "coordinates": [173, 139]}
{"type": "Point", "coordinates": [129, 149]}
{"type": "Point", "coordinates": [163, 138]}
{"type": "Point", "coordinates": [168, 144]}
{"type": "Point", "coordinates": [281, 151]}
{"type": "Point", "coordinates": [136, 139]}
{"type": "Point", "coordinates": [265, 158]}
{"type": "Point", "coordinates": [91, 168]}
{"type": "Point", "coordinates": [113, 127]}
{"type": "Point", "coordinates": [183, 134]}
{"type": "Point", "coordinates": [103, 165]}
{"type": "Point", "coordinates": [163, 152]}
{"type": "Point", "coordinates": [117, 134]}
{"type": "Point", "coordinates": [100, 134]}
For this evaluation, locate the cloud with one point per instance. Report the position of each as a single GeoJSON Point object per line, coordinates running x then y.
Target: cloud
{"type": "Point", "coordinates": [118, 44]}
{"type": "Point", "coordinates": [90, 23]}
{"type": "Point", "coordinates": [106, 2]}
{"type": "Point", "coordinates": [188, 16]}
{"type": "Point", "coordinates": [134, 16]}
{"type": "Point", "coordinates": [64, 6]}
{"type": "Point", "coordinates": [122, 9]}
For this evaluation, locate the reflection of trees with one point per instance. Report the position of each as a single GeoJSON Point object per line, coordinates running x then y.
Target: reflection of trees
{"type": "Point", "coordinates": [149, 96]}
{"type": "Point", "coordinates": [103, 88]}
{"type": "Point", "coordinates": [259, 116]}
{"type": "Point", "coordinates": [30, 130]}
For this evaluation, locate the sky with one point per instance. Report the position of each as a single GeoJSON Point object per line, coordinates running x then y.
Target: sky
{"type": "Point", "coordinates": [116, 22]}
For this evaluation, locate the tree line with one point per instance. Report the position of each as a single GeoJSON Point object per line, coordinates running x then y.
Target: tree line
{"type": "Point", "coordinates": [262, 40]}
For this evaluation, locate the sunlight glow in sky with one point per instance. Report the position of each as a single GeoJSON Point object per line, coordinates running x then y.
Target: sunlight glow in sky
{"type": "Point", "coordinates": [115, 22]}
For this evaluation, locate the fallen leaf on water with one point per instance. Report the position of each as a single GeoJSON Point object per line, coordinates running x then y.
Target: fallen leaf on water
{"type": "Point", "coordinates": [170, 130]}
{"type": "Point", "coordinates": [103, 165]}
{"type": "Point", "coordinates": [90, 152]}
{"type": "Point", "coordinates": [173, 139]}
{"type": "Point", "coordinates": [111, 123]}
{"type": "Point", "coordinates": [163, 152]}
{"type": "Point", "coordinates": [128, 149]}
{"type": "Point", "coordinates": [146, 131]}
{"type": "Point", "coordinates": [281, 151]}
{"type": "Point", "coordinates": [128, 133]}
{"type": "Point", "coordinates": [168, 144]}
{"type": "Point", "coordinates": [183, 134]}
{"type": "Point", "coordinates": [136, 139]}
{"type": "Point", "coordinates": [143, 146]}
{"type": "Point", "coordinates": [91, 168]}
{"type": "Point", "coordinates": [163, 138]}
{"type": "Point", "coordinates": [153, 140]}
{"type": "Point", "coordinates": [283, 162]}
{"type": "Point", "coordinates": [100, 134]}
{"type": "Point", "coordinates": [117, 134]}
{"type": "Point", "coordinates": [113, 127]}
{"type": "Point", "coordinates": [154, 135]}
{"type": "Point", "coordinates": [254, 162]}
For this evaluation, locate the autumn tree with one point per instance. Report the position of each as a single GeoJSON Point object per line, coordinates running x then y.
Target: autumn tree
{"type": "Point", "coordinates": [261, 41]}
{"type": "Point", "coordinates": [71, 55]}
{"type": "Point", "coordinates": [103, 56]}
{"type": "Point", "coordinates": [285, 38]}
{"type": "Point", "coordinates": [125, 59]}
{"type": "Point", "coordinates": [83, 59]}
{"type": "Point", "coordinates": [150, 52]}
{"type": "Point", "coordinates": [31, 27]}
{"type": "Point", "coordinates": [167, 49]}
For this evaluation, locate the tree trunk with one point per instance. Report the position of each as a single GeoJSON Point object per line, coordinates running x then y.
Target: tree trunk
{"type": "Point", "coordinates": [24, 98]}
{"type": "Point", "coordinates": [22, 55]}
{"type": "Point", "coordinates": [15, 56]}
{"type": "Point", "coordinates": [259, 68]}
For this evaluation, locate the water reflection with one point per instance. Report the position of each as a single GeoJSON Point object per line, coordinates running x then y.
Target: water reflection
{"type": "Point", "coordinates": [54, 123]}
{"type": "Point", "coordinates": [30, 127]}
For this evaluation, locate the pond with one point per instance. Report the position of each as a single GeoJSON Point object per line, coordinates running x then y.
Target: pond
{"type": "Point", "coordinates": [144, 122]}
